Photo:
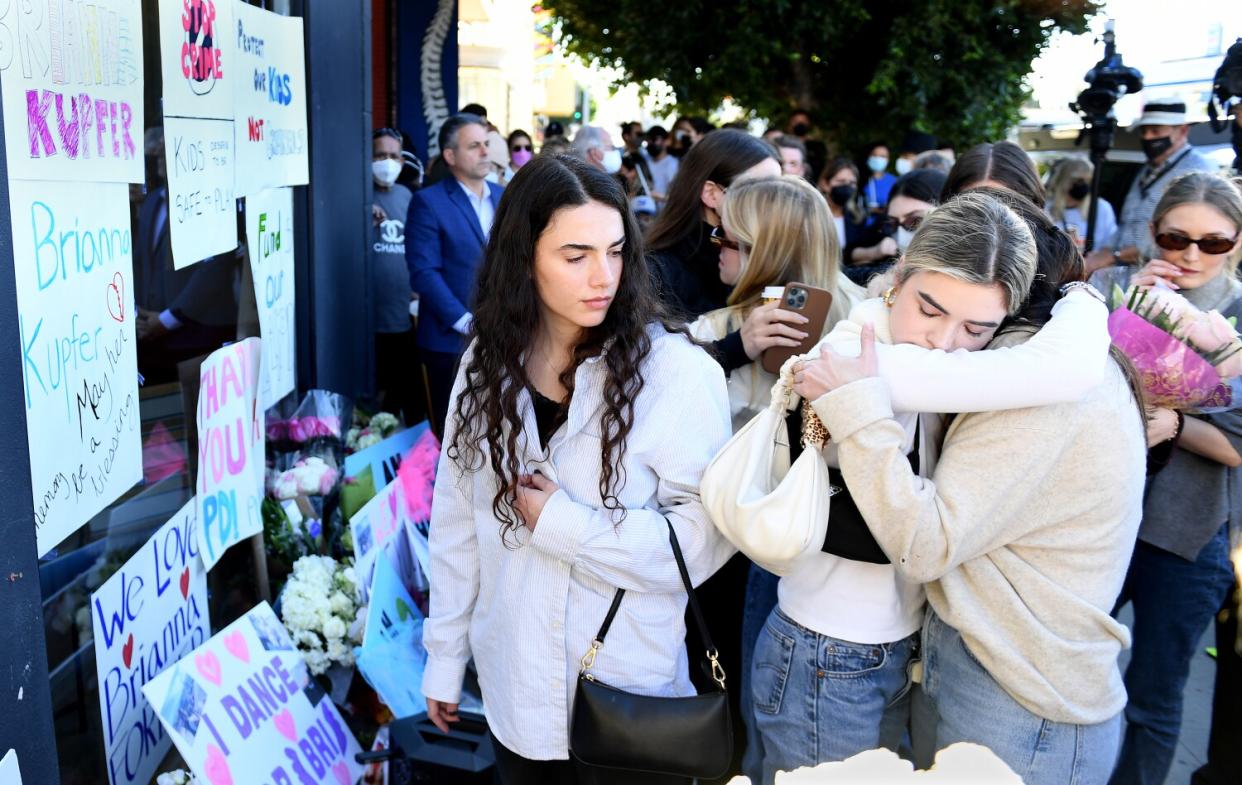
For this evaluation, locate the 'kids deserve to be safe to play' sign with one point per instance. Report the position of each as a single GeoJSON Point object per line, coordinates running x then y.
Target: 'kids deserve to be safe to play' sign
{"type": "Point", "coordinates": [236, 709]}
{"type": "Point", "coordinates": [146, 617]}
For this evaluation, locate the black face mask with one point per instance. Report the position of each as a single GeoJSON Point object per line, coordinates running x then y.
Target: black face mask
{"type": "Point", "coordinates": [801, 129]}
{"type": "Point", "coordinates": [655, 148]}
{"type": "Point", "coordinates": [1154, 148]}
{"type": "Point", "coordinates": [1079, 191]}
{"type": "Point", "coordinates": [842, 194]}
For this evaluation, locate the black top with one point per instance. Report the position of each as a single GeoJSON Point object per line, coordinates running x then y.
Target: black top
{"type": "Point", "coordinates": [549, 416]}
{"type": "Point", "coordinates": [687, 275]}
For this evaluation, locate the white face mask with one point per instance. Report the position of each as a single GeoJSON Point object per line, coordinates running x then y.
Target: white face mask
{"type": "Point", "coordinates": [903, 238]}
{"type": "Point", "coordinates": [904, 165]}
{"type": "Point", "coordinates": [877, 163]}
{"type": "Point", "coordinates": [386, 171]}
{"type": "Point", "coordinates": [612, 161]}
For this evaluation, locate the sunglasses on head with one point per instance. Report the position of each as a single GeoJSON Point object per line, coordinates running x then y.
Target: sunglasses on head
{"type": "Point", "coordinates": [720, 241]}
{"type": "Point", "coordinates": [1176, 241]}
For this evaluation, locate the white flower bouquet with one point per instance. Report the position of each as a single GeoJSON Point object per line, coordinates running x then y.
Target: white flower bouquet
{"type": "Point", "coordinates": [176, 777]}
{"type": "Point", "coordinates": [320, 611]}
{"type": "Point", "coordinates": [369, 432]}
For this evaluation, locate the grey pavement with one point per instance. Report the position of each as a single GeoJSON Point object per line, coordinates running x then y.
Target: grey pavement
{"type": "Point", "coordinates": [1197, 714]}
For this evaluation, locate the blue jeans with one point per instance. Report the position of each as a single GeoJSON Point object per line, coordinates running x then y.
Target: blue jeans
{"type": "Point", "coordinates": [819, 699]}
{"type": "Point", "coordinates": [760, 600]}
{"type": "Point", "coordinates": [1174, 602]}
{"type": "Point", "coordinates": [971, 706]}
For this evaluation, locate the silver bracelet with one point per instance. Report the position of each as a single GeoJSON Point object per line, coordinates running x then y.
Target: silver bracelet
{"type": "Point", "coordinates": [1084, 286]}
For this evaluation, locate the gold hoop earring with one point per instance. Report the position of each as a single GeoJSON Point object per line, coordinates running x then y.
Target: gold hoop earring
{"type": "Point", "coordinates": [890, 296]}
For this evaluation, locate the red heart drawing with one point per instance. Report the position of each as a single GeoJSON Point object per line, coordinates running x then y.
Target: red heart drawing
{"type": "Point", "coordinates": [116, 298]}
{"type": "Point", "coordinates": [185, 584]}
{"type": "Point", "coordinates": [284, 723]}
{"type": "Point", "coordinates": [209, 666]}
{"type": "Point", "coordinates": [127, 652]}
{"type": "Point", "coordinates": [235, 642]}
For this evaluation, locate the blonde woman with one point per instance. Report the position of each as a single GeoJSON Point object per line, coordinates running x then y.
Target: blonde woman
{"type": "Point", "coordinates": [1021, 531]}
{"type": "Point", "coordinates": [1180, 574]}
{"type": "Point", "coordinates": [772, 231]}
{"type": "Point", "coordinates": [1069, 203]}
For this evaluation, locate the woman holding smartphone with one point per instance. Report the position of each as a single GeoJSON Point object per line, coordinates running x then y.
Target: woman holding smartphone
{"type": "Point", "coordinates": [559, 478]}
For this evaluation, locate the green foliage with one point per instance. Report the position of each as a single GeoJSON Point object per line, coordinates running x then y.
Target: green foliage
{"type": "Point", "coordinates": [865, 70]}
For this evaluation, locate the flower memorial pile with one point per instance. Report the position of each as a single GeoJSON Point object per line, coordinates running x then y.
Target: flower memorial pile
{"type": "Point", "coordinates": [319, 608]}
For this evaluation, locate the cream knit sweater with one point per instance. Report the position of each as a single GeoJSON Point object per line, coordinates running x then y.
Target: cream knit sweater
{"type": "Point", "coordinates": [1023, 534]}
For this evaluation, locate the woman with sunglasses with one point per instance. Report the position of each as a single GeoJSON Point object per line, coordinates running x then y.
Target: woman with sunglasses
{"type": "Point", "coordinates": [521, 150]}
{"type": "Point", "coordinates": [1180, 573]}
{"type": "Point", "coordinates": [913, 196]}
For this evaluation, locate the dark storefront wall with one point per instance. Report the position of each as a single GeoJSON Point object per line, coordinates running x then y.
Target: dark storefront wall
{"type": "Point", "coordinates": [334, 352]}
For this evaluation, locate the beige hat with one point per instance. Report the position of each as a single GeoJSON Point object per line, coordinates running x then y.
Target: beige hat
{"type": "Point", "coordinates": [1162, 113]}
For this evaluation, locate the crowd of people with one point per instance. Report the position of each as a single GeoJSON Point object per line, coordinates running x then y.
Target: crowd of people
{"type": "Point", "coordinates": [592, 320]}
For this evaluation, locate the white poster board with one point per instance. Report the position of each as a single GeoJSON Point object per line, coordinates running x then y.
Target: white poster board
{"type": "Point", "coordinates": [146, 617]}
{"type": "Point", "coordinates": [231, 439]}
{"type": "Point", "coordinates": [10, 772]}
{"type": "Point", "coordinates": [196, 58]}
{"type": "Point", "coordinates": [270, 103]}
{"type": "Point", "coordinates": [74, 273]}
{"type": "Point", "coordinates": [269, 233]}
{"type": "Point", "coordinates": [374, 526]}
{"type": "Point", "coordinates": [236, 709]}
{"type": "Point", "coordinates": [202, 213]}
{"type": "Point", "coordinates": [71, 81]}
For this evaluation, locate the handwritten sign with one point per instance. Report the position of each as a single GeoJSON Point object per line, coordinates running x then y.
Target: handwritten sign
{"type": "Point", "coordinates": [236, 709]}
{"type": "Point", "coordinates": [74, 272]}
{"type": "Point", "coordinates": [385, 458]}
{"type": "Point", "coordinates": [196, 58]}
{"type": "Point", "coordinates": [269, 100]}
{"type": "Point", "coordinates": [374, 526]}
{"type": "Point", "coordinates": [71, 81]}
{"type": "Point", "coordinates": [230, 449]}
{"type": "Point", "coordinates": [269, 229]}
{"type": "Point", "coordinates": [392, 658]}
{"type": "Point", "coordinates": [147, 616]}
{"type": "Point", "coordinates": [202, 213]}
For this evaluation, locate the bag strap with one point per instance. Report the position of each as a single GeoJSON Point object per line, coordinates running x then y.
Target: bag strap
{"type": "Point", "coordinates": [713, 655]}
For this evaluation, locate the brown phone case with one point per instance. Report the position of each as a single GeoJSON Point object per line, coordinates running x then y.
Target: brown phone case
{"type": "Point", "coordinates": [811, 302]}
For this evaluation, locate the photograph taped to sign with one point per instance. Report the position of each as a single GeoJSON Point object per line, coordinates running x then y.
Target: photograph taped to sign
{"type": "Point", "coordinates": [76, 69]}
{"type": "Point", "coordinates": [73, 267]}
{"type": "Point", "coordinates": [202, 213]}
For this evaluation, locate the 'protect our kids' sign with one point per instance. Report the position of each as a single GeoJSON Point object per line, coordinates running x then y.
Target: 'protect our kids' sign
{"type": "Point", "coordinates": [73, 266]}
{"type": "Point", "coordinates": [196, 58]}
{"type": "Point", "coordinates": [71, 80]}
{"type": "Point", "coordinates": [147, 616]}
{"type": "Point", "coordinates": [236, 710]}
{"type": "Point", "coordinates": [230, 449]}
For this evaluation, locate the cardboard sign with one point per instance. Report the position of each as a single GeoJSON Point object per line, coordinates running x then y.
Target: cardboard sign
{"type": "Point", "coordinates": [74, 273]}
{"type": "Point", "coordinates": [374, 526]}
{"type": "Point", "coordinates": [270, 102]}
{"type": "Point", "coordinates": [196, 58]}
{"type": "Point", "coordinates": [231, 442]}
{"type": "Point", "coordinates": [236, 710]}
{"type": "Point", "coordinates": [385, 458]}
{"type": "Point", "coordinates": [392, 657]}
{"type": "Point", "coordinates": [202, 213]}
{"type": "Point", "coordinates": [146, 617]}
{"type": "Point", "coordinates": [269, 232]}
{"type": "Point", "coordinates": [71, 81]}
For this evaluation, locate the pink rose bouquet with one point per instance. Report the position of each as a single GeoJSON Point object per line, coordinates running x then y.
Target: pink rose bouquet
{"type": "Point", "coordinates": [1186, 358]}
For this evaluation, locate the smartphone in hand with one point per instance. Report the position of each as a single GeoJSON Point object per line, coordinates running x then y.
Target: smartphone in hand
{"type": "Point", "coordinates": [811, 302]}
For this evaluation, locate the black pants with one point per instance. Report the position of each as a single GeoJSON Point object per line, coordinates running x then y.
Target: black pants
{"type": "Point", "coordinates": [1224, 766]}
{"type": "Point", "coordinates": [513, 769]}
{"type": "Point", "coordinates": [441, 371]}
{"type": "Point", "coordinates": [399, 376]}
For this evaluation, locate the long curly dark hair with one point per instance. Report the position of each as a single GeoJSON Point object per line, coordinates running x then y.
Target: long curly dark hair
{"type": "Point", "coordinates": [486, 416]}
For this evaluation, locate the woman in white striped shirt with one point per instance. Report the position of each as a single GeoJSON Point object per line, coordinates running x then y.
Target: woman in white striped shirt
{"type": "Point", "coordinates": [580, 426]}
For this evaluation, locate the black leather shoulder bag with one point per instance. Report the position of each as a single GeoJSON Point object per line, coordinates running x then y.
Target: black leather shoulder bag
{"type": "Point", "coordinates": [686, 737]}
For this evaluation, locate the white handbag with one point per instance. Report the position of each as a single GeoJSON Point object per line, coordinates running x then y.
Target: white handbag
{"type": "Point", "coordinates": [769, 510]}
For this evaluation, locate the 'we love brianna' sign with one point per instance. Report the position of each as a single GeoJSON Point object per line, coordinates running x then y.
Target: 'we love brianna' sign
{"type": "Point", "coordinates": [236, 709]}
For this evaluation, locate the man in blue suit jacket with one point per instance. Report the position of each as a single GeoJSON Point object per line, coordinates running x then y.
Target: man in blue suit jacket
{"type": "Point", "coordinates": [446, 231]}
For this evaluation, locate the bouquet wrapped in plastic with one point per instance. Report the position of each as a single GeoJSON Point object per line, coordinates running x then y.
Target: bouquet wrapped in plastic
{"type": "Point", "coordinates": [1185, 357]}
